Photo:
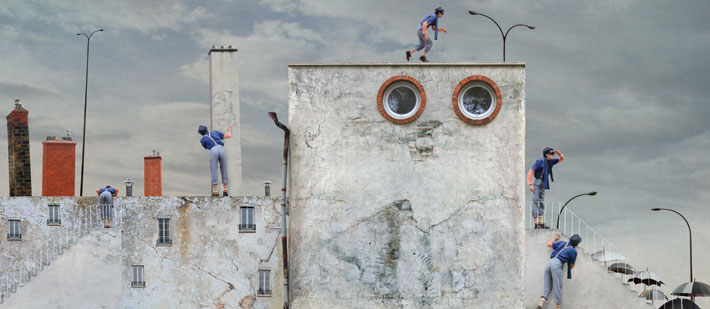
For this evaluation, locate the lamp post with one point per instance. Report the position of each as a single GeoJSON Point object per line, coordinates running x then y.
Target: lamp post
{"type": "Point", "coordinates": [690, 235]}
{"type": "Point", "coordinates": [86, 89]}
{"type": "Point", "coordinates": [499, 28]}
{"type": "Point", "coordinates": [129, 186]}
{"type": "Point", "coordinates": [593, 193]}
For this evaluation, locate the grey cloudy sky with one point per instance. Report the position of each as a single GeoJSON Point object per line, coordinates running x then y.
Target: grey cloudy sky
{"type": "Point", "coordinates": [620, 87]}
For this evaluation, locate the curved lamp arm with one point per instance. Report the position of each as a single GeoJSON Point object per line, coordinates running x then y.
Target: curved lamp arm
{"type": "Point", "coordinates": [593, 193]}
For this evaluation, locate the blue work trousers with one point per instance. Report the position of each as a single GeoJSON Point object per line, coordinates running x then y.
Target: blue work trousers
{"type": "Point", "coordinates": [218, 158]}
{"type": "Point", "coordinates": [538, 198]}
{"type": "Point", "coordinates": [553, 279]}
{"type": "Point", "coordinates": [426, 44]}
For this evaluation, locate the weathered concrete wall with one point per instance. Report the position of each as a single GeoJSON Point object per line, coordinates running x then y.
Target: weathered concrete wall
{"type": "Point", "coordinates": [40, 241]}
{"type": "Point", "coordinates": [591, 286]}
{"type": "Point", "coordinates": [87, 276]}
{"type": "Point", "coordinates": [427, 214]}
{"type": "Point", "coordinates": [209, 262]}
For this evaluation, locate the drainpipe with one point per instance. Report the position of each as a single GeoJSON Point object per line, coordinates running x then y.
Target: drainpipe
{"type": "Point", "coordinates": [284, 247]}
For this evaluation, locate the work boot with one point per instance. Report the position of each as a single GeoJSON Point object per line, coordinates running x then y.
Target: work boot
{"type": "Point", "coordinates": [543, 226]}
{"type": "Point", "coordinates": [215, 193]}
{"type": "Point", "coordinates": [225, 193]}
{"type": "Point", "coordinates": [423, 59]}
{"type": "Point", "coordinates": [409, 55]}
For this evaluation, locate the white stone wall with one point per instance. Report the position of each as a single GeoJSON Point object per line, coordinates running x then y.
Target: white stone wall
{"type": "Point", "coordinates": [40, 241]}
{"type": "Point", "coordinates": [422, 215]}
{"type": "Point", "coordinates": [209, 262]}
{"type": "Point", "coordinates": [224, 88]}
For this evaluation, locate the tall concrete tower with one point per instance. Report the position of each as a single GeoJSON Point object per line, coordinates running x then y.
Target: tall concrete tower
{"type": "Point", "coordinates": [224, 109]}
{"type": "Point", "coordinates": [18, 151]}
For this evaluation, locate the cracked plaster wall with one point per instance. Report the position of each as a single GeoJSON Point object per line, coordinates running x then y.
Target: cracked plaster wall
{"type": "Point", "coordinates": [422, 215]}
{"type": "Point", "coordinates": [39, 239]}
{"type": "Point", "coordinates": [210, 262]}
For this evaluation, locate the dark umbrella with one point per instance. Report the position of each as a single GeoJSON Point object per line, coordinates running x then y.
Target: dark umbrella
{"type": "Point", "coordinates": [646, 277]}
{"type": "Point", "coordinates": [694, 288]}
{"type": "Point", "coordinates": [679, 303]}
{"type": "Point", "coordinates": [621, 268]}
{"type": "Point", "coordinates": [653, 294]}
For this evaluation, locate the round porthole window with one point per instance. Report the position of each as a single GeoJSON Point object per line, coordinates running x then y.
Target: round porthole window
{"type": "Point", "coordinates": [477, 100]}
{"type": "Point", "coordinates": [401, 99]}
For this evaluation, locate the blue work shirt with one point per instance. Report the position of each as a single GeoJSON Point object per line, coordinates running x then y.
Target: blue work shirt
{"type": "Point", "coordinates": [568, 255]}
{"type": "Point", "coordinates": [112, 190]}
{"type": "Point", "coordinates": [539, 168]}
{"type": "Point", "coordinates": [207, 142]}
{"type": "Point", "coordinates": [433, 21]}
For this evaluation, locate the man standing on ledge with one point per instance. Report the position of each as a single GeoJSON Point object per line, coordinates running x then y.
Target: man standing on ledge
{"type": "Point", "coordinates": [424, 40]}
{"type": "Point", "coordinates": [106, 202]}
{"type": "Point", "coordinates": [541, 170]}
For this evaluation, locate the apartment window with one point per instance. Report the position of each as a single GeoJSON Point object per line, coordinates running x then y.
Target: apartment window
{"type": "Point", "coordinates": [54, 215]}
{"type": "Point", "coordinates": [247, 220]}
{"type": "Point", "coordinates": [137, 280]}
{"type": "Point", "coordinates": [264, 283]}
{"type": "Point", "coordinates": [14, 230]}
{"type": "Point", "coordinates": [164, 232]}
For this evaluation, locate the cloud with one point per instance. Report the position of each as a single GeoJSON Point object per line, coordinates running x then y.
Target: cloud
{"type": "Point", "coordinates": [145, 17]}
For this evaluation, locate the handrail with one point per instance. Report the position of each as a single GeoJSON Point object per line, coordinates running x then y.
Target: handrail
{"type": "Point", "coordinates": [23, 267]}
{"type": "Point", "coordinates": [568, 226]}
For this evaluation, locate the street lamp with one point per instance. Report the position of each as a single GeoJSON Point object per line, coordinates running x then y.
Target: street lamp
{"type": "Point", "coordinates": [501, 30]}
{"type": "Point", "coordinates": [86, 89]}
{"type": "Point", "coordinates": [593, 193]}
{"type": "Point", "coordinates": [690, 235]}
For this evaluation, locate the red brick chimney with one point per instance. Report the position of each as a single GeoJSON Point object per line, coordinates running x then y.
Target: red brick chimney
{"type": "Point", "coordinates": [153, 176]}
{"type": "Point", "coordinates": [58, 166]}
{"type": "Point", "coordinates": [18, 151]}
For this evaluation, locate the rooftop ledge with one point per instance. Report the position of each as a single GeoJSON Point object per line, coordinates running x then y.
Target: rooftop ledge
{"type": "Point", "coordinates": [371, 64]}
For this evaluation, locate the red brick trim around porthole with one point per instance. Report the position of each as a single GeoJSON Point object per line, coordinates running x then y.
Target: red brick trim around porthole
{"type": "Point", "coordinates": [383, 88]}
{"type": "Point", "coordinates": [461, 85]}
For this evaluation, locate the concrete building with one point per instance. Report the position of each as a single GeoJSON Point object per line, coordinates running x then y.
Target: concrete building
{"type": "Point", "coordinates": [192, 252]}
{"type": "Point", "coordinates": [406, 185]}
{"type": "Point", "coordinates": [18, 151]}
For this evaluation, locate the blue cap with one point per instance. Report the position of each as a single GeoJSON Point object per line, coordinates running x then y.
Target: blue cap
{"type": "Point", "coordinates": [546, 150]}
{"type": "Point", "coordinates": [439, 9]}
{"type": "Point", "coordinates": [202, 130]}
{"type": "Point", "coordinates": [575, 240]}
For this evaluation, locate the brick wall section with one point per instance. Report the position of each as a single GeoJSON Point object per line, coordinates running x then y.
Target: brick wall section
{"type": "Point", "coordinates": [18, 152]}
{"type": "Point", "coordinates": [153, 177]}
{"type": "Point", "coordinates": [58, 168]}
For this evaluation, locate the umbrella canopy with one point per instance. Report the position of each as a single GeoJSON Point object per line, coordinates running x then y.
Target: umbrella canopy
{"type": "Point", "coordinates": [694, 288]}
{"type": "Point", "coordinates": [679, 303]}
{"type": "Point", "coordinates": [653, 294]}
{"type": "Point", "coordinates": [621, 268]}
{"type": "Point", "coordinates": [646, 277]}
{"type": "Point", "coordinates": [605, 256]}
